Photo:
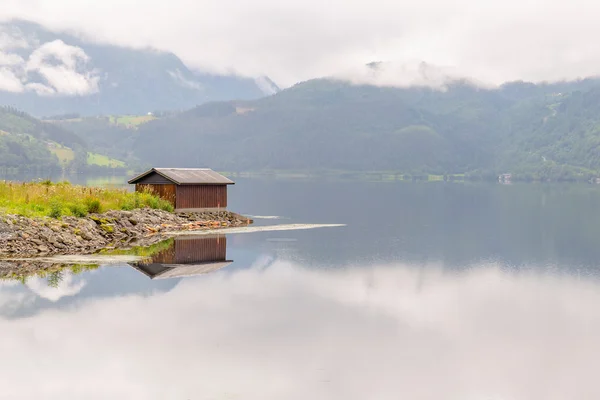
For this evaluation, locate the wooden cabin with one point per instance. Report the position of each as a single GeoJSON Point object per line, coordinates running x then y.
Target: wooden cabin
{"type": "Point", "coordinates": [188, 189]}
{"type": "Point", "coordinates": [187, 256]}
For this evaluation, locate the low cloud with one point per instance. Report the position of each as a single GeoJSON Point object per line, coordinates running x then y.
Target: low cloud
{"type": "Point", "coordinates": [51, 69]}
{"type": "Point", "coordinates": [9, 82]}
{"type": "Point", "coordinates": [63, 69]}
{"type": "Point", "coordinates": [8, 59]}
{"type": "Point", "coordinates": [294, 41]}
{"type": "Point", "coordinates": [181, 80]}
{"type": "Point", "coordinates": [12, 41]}
{"type": "Point", "coordinates": [390, 74]}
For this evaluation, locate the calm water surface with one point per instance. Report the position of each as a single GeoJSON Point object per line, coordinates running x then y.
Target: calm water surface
{"type": "Point", "coordinates": [431, 291]}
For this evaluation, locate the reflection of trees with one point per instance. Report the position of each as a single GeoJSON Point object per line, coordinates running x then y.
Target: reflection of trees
{"type": "Point", "coordinates": [55, 278]}
{"type": "Point", "coordinates": [54, 273]}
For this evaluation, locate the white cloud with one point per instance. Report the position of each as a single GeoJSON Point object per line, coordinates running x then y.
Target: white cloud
{"type": "Point", "coordinates": [8, 59]}
{"type": "Point", "coordinates": [181, 80]}
{"type": "Point", "coordinates": [292, 41]}
{"type": "Point", "coordinates": [9, 82]}
{"type": "Point", "coordinates": [12, 41]}
{"type": "Point", "coordinates": [404, 75]}
{"type": "Point", "coordinates": [61, 67]}
{"type": "Point", "coordinates": [40, 89]}
{"type": "Point", "coordinates": [64, 70]}
{"type": "Point", "coordinates": [283, 332]}
{"type": "Point", "coordinates": [266, 85]}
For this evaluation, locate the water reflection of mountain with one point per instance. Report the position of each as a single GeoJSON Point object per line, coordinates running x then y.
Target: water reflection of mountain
{"type": "Point", "coordinates": [187, 256]}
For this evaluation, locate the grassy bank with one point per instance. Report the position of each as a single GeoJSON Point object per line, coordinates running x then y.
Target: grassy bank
{"type": "Point", "coordinates": [54, 273]}
{"type": "Point", "coordinates": [146, 252]}
{"type": "Point", "coordinates": [37, 199]}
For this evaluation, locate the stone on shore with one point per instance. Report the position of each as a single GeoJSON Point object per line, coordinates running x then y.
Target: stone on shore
{"type": "Point", "coordinates": [26, 237]}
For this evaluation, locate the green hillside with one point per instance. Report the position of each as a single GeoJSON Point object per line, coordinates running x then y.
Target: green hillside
{"type": "Point", "coordinates": [104, 161]}
{"type": "Point", "coordinates": [113, 136]}
{"type": "Point", "coordinates": [547, 131]}
{"type": "Point", "coordinates": [28, 144]}
{"type": "Point", "coordinates": [532, 131]}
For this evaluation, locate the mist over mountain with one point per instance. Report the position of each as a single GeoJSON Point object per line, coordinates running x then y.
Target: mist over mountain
{"type": "Point", "coordinates": [536, 130]}
{"type": "Point", "coordinates": [49, 73]}
{"type": "Point", "coordinates": [414, 118]}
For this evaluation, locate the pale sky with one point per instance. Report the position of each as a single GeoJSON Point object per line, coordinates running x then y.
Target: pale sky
{"type": "Point", "coordinates": [291, 41]}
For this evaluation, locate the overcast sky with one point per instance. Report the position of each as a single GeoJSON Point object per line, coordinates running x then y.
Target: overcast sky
{"type": "Point", "coordinates": [291, 41]}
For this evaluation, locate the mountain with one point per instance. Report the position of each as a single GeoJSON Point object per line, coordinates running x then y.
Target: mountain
{"type": "Point", "coordinates": [48, 73]}
{"type": "Point", "coordinates": [533, 131]}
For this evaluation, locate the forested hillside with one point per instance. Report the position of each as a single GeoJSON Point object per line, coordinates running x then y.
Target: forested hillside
{"type": "Point", "coordinates": [105, 135]}
{"type": "Point", "coordinates": [549, 131]}
{"type": "Point", "coordinates": [28, 144]}
{"type": "Point", "coordinates": [532, 131]}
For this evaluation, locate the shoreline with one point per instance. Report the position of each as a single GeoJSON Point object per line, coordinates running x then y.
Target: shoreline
{"type": "Point", "coordinates": [40, 237]}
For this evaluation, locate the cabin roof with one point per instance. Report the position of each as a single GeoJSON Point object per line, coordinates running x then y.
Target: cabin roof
{"type": "Point", "coordinates": [187, 176]}
{"type": "Point", "coordinates": [166, 271]}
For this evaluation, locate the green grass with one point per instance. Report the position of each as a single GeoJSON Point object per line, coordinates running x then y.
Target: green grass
{"type": "Point", "coordinates": [131, 121]}
{"type": "Point", "coordinates": [65, 154]}
{"type": "Point", "coordinates": [104, 161]}
{"type": "Point", "coordinates": [38, 199]}
{"type": "Point", "coordinates": [144, 252]}
{"type": "Point", "coordinates": [53, 273]}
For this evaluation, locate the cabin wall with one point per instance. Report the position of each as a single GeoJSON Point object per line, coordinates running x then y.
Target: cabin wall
{"type": "Point", "coordinates": [198, 250]}
{"type": "Point", "coordinates": [201, 196]}
{"type": "Point", "coordinates": [165, 192]}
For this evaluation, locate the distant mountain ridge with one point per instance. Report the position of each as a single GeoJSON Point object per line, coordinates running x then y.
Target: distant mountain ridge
{"type": "Point", "coordinates": [535, 131]}
{"type": "Point", "coordinates": [47, 73]}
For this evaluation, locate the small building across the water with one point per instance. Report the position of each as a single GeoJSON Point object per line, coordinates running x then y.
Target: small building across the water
{"type": "Point", "coordinates": [188, 189]}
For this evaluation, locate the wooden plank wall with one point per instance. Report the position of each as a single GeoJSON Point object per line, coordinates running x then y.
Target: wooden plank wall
{"type": "Point", "coordinates": [207, 196]}
{"type": "Point", "coordinates": [196, 250]}
{"type": "Point", "coordinates": [166, 192]}
{"type": "Point", "coordinates": [204, 249]}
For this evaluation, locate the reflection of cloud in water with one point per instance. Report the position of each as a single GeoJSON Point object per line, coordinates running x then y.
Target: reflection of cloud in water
{"type": "Point", "coordinates": [12, 298]}
{"type": "Point", "coordinates": [288, 333]}
{"type": "Point", "coordinates": [11, 301]}
{"type": "Point", "coordinates": [68, 286]}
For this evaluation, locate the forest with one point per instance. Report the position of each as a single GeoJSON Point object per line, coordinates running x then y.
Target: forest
{"type": "Point", "coordinates": [532, 131]}
{"type": "Point", "coordinates": [547, 131]}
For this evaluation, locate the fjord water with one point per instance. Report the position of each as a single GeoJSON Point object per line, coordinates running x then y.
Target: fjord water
{"type": "Point", "coordinates": [430, 291]}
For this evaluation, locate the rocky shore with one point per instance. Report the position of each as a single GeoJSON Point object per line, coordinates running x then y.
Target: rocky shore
{"type": "Point", "coordinates": [25, 237]}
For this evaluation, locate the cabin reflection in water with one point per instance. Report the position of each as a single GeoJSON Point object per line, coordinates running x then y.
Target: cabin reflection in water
{"type": "Point", "coordinates": [187, 256]}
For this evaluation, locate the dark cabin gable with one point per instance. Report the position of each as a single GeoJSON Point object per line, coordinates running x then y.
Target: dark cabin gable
{"type": "Point", "coordinates": [154, 178]}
